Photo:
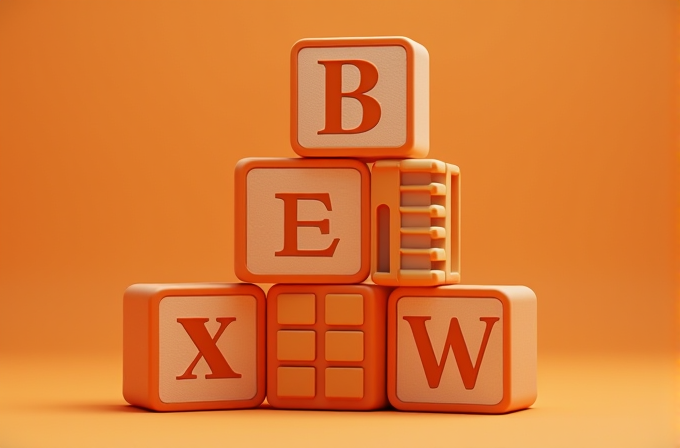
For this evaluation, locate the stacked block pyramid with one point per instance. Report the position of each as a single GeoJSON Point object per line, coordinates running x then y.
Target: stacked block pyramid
{"type": "Point", "coordinates": [361, 201]}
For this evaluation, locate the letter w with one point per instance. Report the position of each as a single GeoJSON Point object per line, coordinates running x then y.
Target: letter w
{"type": "Point", "coordinates": [207, 348]}
{"type": "Point", "coordinates": [455, 340]}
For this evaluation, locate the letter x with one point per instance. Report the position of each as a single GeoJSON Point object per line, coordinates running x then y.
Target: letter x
{"type": "Point", "coordinates": [207, 348]}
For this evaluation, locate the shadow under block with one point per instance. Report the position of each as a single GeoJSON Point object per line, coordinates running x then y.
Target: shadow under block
{"type": "Point", "coordinates": [415, 228]}
{"type": "Point", "coordinates": [194, 346]}
{"type": "Point", "coordinates": [462, 349]}
{"type": "Point", "coordinates": [364, 98]}
{"type": "Point", "coordinates": [302, 220]}
{"type": "Point", "coordinates": [326, 346]}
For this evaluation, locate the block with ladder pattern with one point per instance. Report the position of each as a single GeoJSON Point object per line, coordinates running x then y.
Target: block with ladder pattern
{"type": "Point", "coordinates": [415, 214]}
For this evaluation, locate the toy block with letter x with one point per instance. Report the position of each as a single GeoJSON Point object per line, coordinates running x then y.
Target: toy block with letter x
{"type": "Point", "coordinates": [462, 349]}
{"type": "Point", "coordinates": [302, 220]}
{"type": "Point", "coordinates": [415, 232]}
{"type": "Point", "coordinates": [364, 98]}
{"type": "Point", "coordinates": [326, 346]}
{"type": "Point", "coordinates": [194, 346]}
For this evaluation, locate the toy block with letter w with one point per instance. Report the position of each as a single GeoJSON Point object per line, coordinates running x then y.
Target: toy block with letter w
{"type": "Point", "coordinates": [194, 346]}
{"type": "Point", "coordinates": [302, 220]}
{"type": "Point", "coordinates": [364, 98]}
{"type": "Point", "coordinates": [462, 349]}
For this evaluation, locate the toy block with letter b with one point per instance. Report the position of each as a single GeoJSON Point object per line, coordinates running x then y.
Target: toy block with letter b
{"type": "Point", "coordinates": [326, 346]}
{"type": "Point", "coordinates": [194, 346]}
{"type": "Point", "coordinates": [302, 220]}
{"type": "Point", "coordinates": [364, 98]}
{"type": "Point", "coordinates": [415, 229]}
{"type": "Point", "coordinates": [462, 349]}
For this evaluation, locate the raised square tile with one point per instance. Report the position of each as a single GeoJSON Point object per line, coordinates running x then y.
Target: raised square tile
{"type": "Point", "coordinates": [293, 345]}
{"type": "Point", "coordinates": [296, 382]}
{"type": "Point", "coordinates": [296, 309]}
{"type": "Point", "coordinates": [344, 309]}
{"type": "Point", "coordinates": [344, 382]}
{"type": "Point", "coordinates": [344, 346]}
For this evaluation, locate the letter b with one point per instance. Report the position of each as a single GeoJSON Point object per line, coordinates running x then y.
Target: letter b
{"type": "Point", "coordinates": [383, 113]}
{"type": "Point", "coordinates": [371, 108]}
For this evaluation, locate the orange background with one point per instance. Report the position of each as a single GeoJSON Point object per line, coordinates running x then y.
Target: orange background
{"type": "Point", "coordinates": [121, 124]}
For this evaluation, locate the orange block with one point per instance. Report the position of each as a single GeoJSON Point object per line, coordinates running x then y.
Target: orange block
{"type": "Point", "coordinates": [326, 346]}
{"type": "Point", "coordinates": [302, 220]}
{"type": "Point", "coordinates": [415, 205]}
{"type": "Point", "coordinates": [190, 347]}
{"type": "Point", "coordinates": [462, 349]}
{"type": "Point", "coordinates": [365, 98]}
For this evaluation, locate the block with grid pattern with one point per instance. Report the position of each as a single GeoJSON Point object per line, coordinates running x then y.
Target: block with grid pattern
{"type": "Point", "coordinates": [326, 346]}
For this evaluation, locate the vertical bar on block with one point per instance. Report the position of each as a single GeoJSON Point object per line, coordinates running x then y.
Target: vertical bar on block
{"type": "Point", "coordinates": [386, 230]}
{"type": "Point", "coordinates": [383, 238]}
{"type": "Point", "coordinates": [453, 224]}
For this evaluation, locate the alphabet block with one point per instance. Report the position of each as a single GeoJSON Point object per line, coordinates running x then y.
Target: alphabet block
{"type": "Point", "coordinates": [326, 346]}
{"type": "Point", "coordinates": [491, 331]}
{"type": "Point", "coordinates": [193, 347]}
{"type": "Point", "coordinates": [302, 220]}
{"type": "Point", "coordinates": [415, 205]}
{"type": "Point", "coordinates": [365, 98]}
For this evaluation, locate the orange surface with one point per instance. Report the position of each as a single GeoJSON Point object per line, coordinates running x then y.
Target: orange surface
{"type": "Point", "coordinates": [326, 346]}
{"type": "Point", "coordinates": [492, 369]}
{"type": "Point", "coordinates": [120, 127]}
{"type": "Point", "coordinates": [415, 225]}
{"type": "Point", "coordinates": [166, 364]}
{"type": "Point", "coordinates": [384, 128]}
{"type": "Point", "coordinates": [302, 220]}
{"type": "Point", "coordinates": [584, 401]}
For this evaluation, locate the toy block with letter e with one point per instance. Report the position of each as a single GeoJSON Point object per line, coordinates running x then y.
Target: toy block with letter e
{"type": "Point", "coordinates": [326, 346]}
{"type": "Point", "coordinates": [462, 349]}
{"type": "Point", "coordinates": [364, 98]}
{"type": "Point", "coordinates": [415, 229]}
{"type": "Point", "coordinates": [194, 346]}
{"type": "Point", "coordinates": [302, 220]}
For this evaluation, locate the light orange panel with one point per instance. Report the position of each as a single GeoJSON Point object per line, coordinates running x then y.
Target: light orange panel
{"type": "Point", "coordinates": [302, 220]}
{"type": "Point", "coordinates": [462, 349]}
{"type": "Point", "coordinates": [364, 98]}
{"type": "Point", "coordinates": [296, 309]}
{"type": "Point", "coordinates": [345, 382]}
{"type": "Point", "coordinates": [344, 345]}
{"type": "Point", "coordinates": [194, 346]}
{"type": "Point", "coordinates": [295, 345]}
{"type": "Point", "coordinates": [344, 309]}
{"type": "Point", "coordinates": [295, 382]}
{"type": "Point", "coordinates": [349, 369]}
{"type": "Point", "coordinates": [415, 228]}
